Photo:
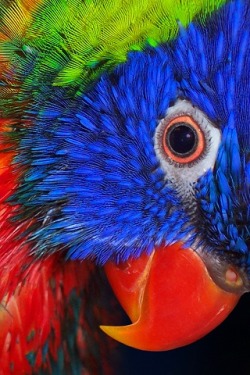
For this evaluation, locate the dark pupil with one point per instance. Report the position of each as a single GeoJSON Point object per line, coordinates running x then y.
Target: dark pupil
{"type": "Point", "coordinates": [182, 139]}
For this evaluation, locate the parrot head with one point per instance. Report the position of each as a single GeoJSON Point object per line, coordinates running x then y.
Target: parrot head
{"type": "Point", "coordinates": [146, 171]}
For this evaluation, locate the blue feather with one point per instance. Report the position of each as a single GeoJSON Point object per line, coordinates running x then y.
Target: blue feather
{"type": "Point", "coordinates": [94, 154]}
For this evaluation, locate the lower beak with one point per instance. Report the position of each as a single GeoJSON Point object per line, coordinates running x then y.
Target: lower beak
{"type": "Point", "coordinates": [170, 298]}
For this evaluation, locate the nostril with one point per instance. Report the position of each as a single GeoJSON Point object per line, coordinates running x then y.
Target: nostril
{"type": "Point", "coordinates": [233, 278]}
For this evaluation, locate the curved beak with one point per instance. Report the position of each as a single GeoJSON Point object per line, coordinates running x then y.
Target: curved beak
{"type": "Point", "coordinates": [170, 298]}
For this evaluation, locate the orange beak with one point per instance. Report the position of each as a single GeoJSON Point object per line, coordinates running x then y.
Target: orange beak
{"type": "Point", "coordinates": [170, 298]}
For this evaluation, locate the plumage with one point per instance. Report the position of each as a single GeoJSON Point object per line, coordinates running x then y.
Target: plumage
{"type": "Point", "coordinates": [89, 91]}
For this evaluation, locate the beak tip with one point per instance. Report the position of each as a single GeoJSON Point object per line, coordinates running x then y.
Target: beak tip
{"type": "Point", "coordinates": [118, 333]}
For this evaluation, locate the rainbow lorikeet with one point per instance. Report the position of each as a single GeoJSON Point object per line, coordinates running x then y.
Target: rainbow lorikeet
{"type": "Point", "coordinates": [124, 148]}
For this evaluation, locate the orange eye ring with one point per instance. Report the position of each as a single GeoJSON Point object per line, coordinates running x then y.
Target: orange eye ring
{"type": "Point", "coordinates": [194, 136]}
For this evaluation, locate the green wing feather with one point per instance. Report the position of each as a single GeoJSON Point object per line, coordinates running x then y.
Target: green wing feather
{"type": "Point", "coordinates": [72, 42]}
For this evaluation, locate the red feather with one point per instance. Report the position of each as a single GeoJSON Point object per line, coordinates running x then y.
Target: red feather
{"type": "Point", "coordinates": [35, 293]}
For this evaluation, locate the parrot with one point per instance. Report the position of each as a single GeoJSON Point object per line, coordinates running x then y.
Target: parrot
{"type": "Point", "coordinates": [124, 177]}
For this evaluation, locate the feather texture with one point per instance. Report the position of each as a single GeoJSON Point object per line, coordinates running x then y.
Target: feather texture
{"type": "Point", "coordinates": [83, 85]}
{"type": "Point", "coordinates": [73, 42]}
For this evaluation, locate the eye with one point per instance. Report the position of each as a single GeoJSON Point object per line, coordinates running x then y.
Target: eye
{"type": "Point", "coordinates": [183, 140]}
{"type": "Point", "coordinates": [186, 143]}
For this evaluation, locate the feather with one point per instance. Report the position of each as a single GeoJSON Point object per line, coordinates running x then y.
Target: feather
{"type": "Point", "coordinates": [85, 87]}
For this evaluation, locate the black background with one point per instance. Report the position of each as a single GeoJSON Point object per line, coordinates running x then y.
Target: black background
{"type": "Point", "coordinates": [225, 351]}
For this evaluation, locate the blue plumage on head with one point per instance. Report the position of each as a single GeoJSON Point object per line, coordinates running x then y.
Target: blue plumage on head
{"type": "Point", "coordinates": [92, 172]}
{"type": "Point", "coordinates": [214, 74]}
{"type": "Point", "coordinates": [95, 159]}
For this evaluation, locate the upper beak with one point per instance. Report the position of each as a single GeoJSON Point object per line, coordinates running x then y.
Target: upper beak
{"type": "Point", "coordinates": [170, 298]}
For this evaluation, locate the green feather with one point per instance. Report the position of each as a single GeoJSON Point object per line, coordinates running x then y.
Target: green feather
{"type": "Point", "coordinates": [74, 41]}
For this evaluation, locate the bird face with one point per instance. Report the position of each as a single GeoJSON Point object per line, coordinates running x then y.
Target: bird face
{"type": "Point", "coordinates": [153, 157]}
{"type": "Point", "coordinates": [202, 144]}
